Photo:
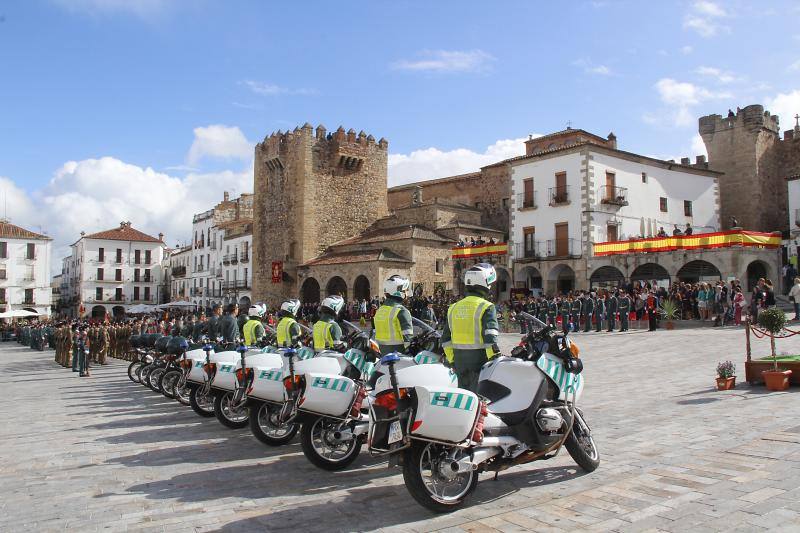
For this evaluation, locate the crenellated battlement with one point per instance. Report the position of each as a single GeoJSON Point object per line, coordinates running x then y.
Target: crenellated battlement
{"type": "Point", "coordinates": [752, 117]}
{"type": "Point", "coordinates": [277, 142]}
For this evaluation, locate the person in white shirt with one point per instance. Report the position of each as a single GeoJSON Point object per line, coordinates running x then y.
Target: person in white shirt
{"type": "Point", "coordinates": [794, 296]}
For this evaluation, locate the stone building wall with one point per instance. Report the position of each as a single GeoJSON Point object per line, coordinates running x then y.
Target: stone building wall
{"type": "Point", "coordinates": [311, 189]}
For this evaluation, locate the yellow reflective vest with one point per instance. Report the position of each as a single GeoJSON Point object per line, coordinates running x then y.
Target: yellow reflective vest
{"type": "Point", "coordinates": [465, 320]}
{"type": "Point", "coordinates": [249, 331]}
{"type": "Point", "coordinates": [387, 325]}
{"type": "Point", "coordinates": [285, 331]}
{"type": "Point", "coordinates": [323, 340]}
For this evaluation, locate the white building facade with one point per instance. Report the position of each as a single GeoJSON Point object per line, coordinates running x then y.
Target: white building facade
{"type": "Point", "coordinates": [24, 270]}
{"type": "Point", "coordinates": [110, 271]}
{"type": "Point", "coordinates": [179, 267]}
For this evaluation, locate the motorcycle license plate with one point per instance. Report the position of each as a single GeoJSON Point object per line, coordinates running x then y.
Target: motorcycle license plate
{"type": "Point", "coordinates": [395, 433]}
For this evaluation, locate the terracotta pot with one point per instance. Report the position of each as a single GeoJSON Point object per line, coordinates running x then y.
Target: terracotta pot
{"type": "Point", "coordinates": [777, 381]}
{"type": "Point", "coordinates": [726, 383]}
{"type": "Point", "coordinates": [670, 325]}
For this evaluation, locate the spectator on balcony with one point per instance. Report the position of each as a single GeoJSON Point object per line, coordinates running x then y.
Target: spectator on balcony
{"type": "Point", "coordinates": [688, 230]}
{"type": "Point", "coordinates": [677, 231]}
{"type": "Point", "coordinates": [661, 232]}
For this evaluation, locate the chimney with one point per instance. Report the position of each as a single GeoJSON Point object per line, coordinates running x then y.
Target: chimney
{"type": "Point", "coordinates": [161, 237]}
{"type": "Point", "coordinates": [226, 196]}
{"type": "Point", "coordinates": [612, 140]}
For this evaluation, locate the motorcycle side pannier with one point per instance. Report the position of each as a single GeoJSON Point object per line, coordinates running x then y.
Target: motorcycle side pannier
{"type": "Point", "coordinates": [198, 359]}
{"type": "Point", "coordinates": [268, 383]}
{"type": "Point", "coordinates": [445, 413]}
{"type": "Point", "coordinates": [225, 378]}
{"type": "Point", "coordinates": [327, 394]}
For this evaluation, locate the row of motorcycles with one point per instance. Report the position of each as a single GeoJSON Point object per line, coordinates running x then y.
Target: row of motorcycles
{"type": "Point", "coordinates": [404, 406]}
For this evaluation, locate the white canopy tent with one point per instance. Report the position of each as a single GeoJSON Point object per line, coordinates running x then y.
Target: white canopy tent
{"type": "Point", "coordinates": [141, 308]}
{"type": "Point", "coordinates": [18, 313]}
{"type": "Point", "coordinates": [174, 305]}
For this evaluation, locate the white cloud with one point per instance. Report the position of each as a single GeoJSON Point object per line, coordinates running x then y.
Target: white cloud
{"type": "Point", "coordinates": [447, 61]}
{"type": "Point", "coordinates": [786, 106]}
{"type": "Point", "coordinates": [795, 65]}
{"type": "Point", "coordinates": [142, 8]}
{"type": "Point", "coordinates": [591, 68]}
{"type": "Point", "coordinates": [219, 141]}
{"type": "Point", "coordinates": [600, 69]}
{"type": "Point", "coordinates": [431, 163]}
{"type": "Point", "coordinates": [680, 97]}
{"type": "Point", "coordinates": [704, 18]}
{"type": "Point", "coordinates": [698, 146]}
{"type": "Point", "coordinates": [273, 89]}
{"type": "Point", "coordinates": [720, 75]}
{"type": "Point", "coordinates": [686, 50]}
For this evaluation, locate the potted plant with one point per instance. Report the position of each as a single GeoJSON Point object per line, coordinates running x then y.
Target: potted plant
{"type": "Point", "coordinates": [773, 320]}
{"type": "Point", "coordinates": [668, 309]}
{"type": "Point", "coordinates": [726, 376]}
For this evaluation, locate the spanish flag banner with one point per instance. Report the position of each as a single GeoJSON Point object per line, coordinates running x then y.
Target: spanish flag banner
{"type": "Point", "coordinates": [477, 251]}
{"type": "Point", "coordinates": [703, 241]}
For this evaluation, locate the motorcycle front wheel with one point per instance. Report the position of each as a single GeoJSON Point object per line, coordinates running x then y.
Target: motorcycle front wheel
{"type": "Point", "coordinates": [144, 374]}
{"type": "Point", "coordinates": [581, 445]}
{"type": "Point", "coordinates": [154, 379]}
{"type": "Point", "coordinates": [266, 427]}
{"type": "Point", "coordinates": [202, 404]}
{"type": "Point", "coordinates": [324, 448]}
{"type": "Point", "coordinates": [182, 393]}
{"type": "Point", "coordinates": [227, 414]}
{"type": "Point", "coordinates": [430, 481]}
{"type": "Point", "coordinates": [133, 371]}
{"type": "Point", "coordinates": [167, 383]}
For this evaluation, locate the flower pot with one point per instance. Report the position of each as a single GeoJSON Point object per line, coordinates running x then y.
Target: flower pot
{"type": "Point", "coordinates": [777, 381]}
{"type": "Point", "coordinates": [726, 383]}
{"type": "Point", "coordinates": [670, 325]}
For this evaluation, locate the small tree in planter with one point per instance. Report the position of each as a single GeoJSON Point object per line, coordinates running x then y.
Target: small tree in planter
{"type": "Point", "coordinates": [726, 376]}
{"type": "Point", "coordinates": [669, 311]}
{"type": "Point", "coordinates": [773, 320]}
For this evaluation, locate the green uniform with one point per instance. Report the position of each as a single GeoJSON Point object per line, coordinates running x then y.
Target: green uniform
{"type": "Point", "coordinates": [599, 308]}
{"type": "Point", "coordinates": [611, 312]}
{"type": "Point", "coordinates": [552, 312]}
{"type": "Point", "coordinates": [228, 328]}
{"type": "Point", "coordinates": [327, 333]}
{"type": "Point", "coordinates": [565, 308]}
{"type": "Point", "coordinates": [624, 306]}
{"type": "Point", "coordinates": [197, 330]}
{"type": "Point", "coordinates": [393, 326]}
{"type": "Point", "coordinates": [587, 310]}
{"type": "Point", "coordinates": [576, 313]}
{"type": "Point", "coordinates": [470, 337]}
{"type": "Point", "coordinates": [542, 309]}
{"type": "Point", "coordinates": [213, 327]}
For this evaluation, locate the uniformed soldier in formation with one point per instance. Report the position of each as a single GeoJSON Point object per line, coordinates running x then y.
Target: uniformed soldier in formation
{"type": "Point", "coordinates": [624, 305]}
{"type": "Point", "coordinates": [611, 310]}
{"type": "Point", "coordinates": [102, 350]}
{"type": "Point", "coordinates": [564, 308]}
{"type": "Point", "coordinates": [392, 321]}
{"type": "Point", "coordinates": [599, 309]}
{"type": "Point", "coordinates": [577, 306]}
{"type": "Point", "coordinates": [326, 332]}
{"type": "Point", "coordinates": [543, 304]}
{"type": "Point", "coordinates": [552, 311]}
{"type": "Point", "coordinates": [587, 310]}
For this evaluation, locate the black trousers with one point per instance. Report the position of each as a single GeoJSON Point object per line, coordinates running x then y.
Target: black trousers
{"type": "Point", "coordinates": [651, 318]}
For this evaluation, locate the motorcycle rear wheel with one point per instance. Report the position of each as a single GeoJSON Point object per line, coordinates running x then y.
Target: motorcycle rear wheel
{"type": "Point", "coordinates": [322, 451]}
{"type": "Point", "coordinates": [202, 404]}
{"type": "Point", "coordinates": [227, 415]}
{"type": "Point", "coordinates": [182, 393]}
{"type": "Point", "coordinates": [425, 483]}
{"type": "Point", "coordinates": [581, 445]}
{"type": "Point", "coordinates": [133, 371]}
{"type": "Point", "coordinates": [167, 383]}
{"type": "Point", "coordinates": [154, 379]}
{"type": "Point", "coordinates": [265, 426]}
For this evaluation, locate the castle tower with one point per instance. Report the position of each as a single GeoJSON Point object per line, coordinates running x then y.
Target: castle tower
{"type": "Point", "coordinates": [743, 146]}
{"type": "Point", "coordinates": [312, 188]}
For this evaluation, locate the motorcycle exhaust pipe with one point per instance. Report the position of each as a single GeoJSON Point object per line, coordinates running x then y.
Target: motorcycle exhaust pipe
{"type": "Point", "coordinates": [479, 456]}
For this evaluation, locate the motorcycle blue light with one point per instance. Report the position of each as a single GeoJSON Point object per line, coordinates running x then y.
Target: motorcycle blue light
{"type": "Point", "coordinates": [390, 358]}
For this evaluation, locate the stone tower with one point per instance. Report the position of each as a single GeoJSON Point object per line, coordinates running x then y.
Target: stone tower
{"type": "Point", "coordinates": [311, 189]}
{"type": "Point", "coordinates": [744, 146]}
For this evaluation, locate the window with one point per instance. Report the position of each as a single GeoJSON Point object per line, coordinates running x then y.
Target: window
{"type": "Point", "coordinates": [562, 239]}
{"type": "Point", "coordinates": [98, 294]}
{"type": "Point", "coordinates": [3, 250]}
{"type": "Point", "coordinates": [644, 177]}
{"type": "Point", "coordinates": [29, 296]}
{"type": "Point", "coordinates": [527, 198]}
{"type": "Point", "coordinates": [147, 257]}
{"type": "Point", "coordinates": [147, 274]}
{"type": "Point", "coordinates": [136, 274]}
{"type": "Point", "coordinates": [245, 274]}
{"type": "Point", "coordinates": [30, 251]}
{"type": "Point", "coordinates": [3, 274]}
{"type": "Point", "coordinates": [101, 254]}
{"type": "Point", "coordinates": [3, 295]}
{"type": "Point", "coordinates": [137, 256]}
{"type": "Point", "coordinates": [612, 233]}
{"type": "Point", "coordinates": [147, 294]}
{"type": "Point", "coordinates": [505, 203]}
{"type": "Point", "coordinates": [663, 204]}
{"type": "Point", "coordinates": [136, 294]}
{"type": "Point", "coordinates": [530, 241]}
{"type": "Point", "coordinates": [687, 208]}
{"type": "Point", "coordinates": [119, 255]}
{"type": "Point", "coordinates": [440, 266]}
{"type": "Point", "coordinates": [118, 275]}
{"type": "Point", "coordinates": [118, 294]}
{"type": "Point", "coordinates": [99, 274]}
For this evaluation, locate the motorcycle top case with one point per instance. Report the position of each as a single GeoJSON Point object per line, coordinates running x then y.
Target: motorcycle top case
{"type": "Point", "coordinates": [225, 377]}
{"type": "Point", "coordinates": [414, 375]}
{"type": "Point", "coordinates": [327, 394]}
{"type": "Point", "coordinates": [445, 413]}
{"type": "Point", "coordinates": [198, 358]}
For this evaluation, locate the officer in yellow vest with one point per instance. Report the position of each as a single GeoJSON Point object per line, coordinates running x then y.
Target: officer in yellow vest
{"type": "Point", "coordinates": [289, 332]}
{"type": "Point", "coordinates": [392, 322]}
{"type": "Point", "coordinates": [470, 333]}
{"type": "Point", "coordinates": [253, 330]}
{"type": "Point", "coordinates": [327, 333]}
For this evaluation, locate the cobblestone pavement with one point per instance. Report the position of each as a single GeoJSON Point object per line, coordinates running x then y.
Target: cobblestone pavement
{"type": "Point", "coordinates": [105, 454]}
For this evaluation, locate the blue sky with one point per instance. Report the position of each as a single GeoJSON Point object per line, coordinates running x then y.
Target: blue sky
{"type": "Point", "coordinates": [105, 102]}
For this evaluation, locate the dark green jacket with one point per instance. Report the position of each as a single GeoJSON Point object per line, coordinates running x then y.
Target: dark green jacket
{"type": "Point", "coordinates": [228, 328]}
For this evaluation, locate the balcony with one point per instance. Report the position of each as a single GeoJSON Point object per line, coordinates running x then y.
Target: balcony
{"type": "Point", "coordinates": [613, 195]}
{"type": "Point", "coordinates": [218, 272]}
{"type": "Point", "coordinates": [529, 251]}
{"type": "Point", "coordinates": [480, 250]}
{"type": "Point", "coordinates": [116, 299]}
{"type": "Point", "coordinates": [558, 195]}
{"type": "Point", "coordinates": [527, 201]}
{"type": "Point", "coordinates": [698, 241]}
{"type": "Point", "coordinates": [179, 271]}
{"type": "Point", "coordinates": [562, 248]}
{"type": "Point", "coordinates": [28, 302]}
{"type": "Point", "coordinates": [242, 284]}
{"type": "Point", "coordinates": [244, 257]}
{"type": "Point", "coordinates": [226, 259]}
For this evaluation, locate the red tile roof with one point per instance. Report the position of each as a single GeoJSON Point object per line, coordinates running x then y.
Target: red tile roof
{"type": "Point", "coordinates": [356, 257]}
{"type": "Point", "coordinates": [395, 233]}
{"type": "Point", "coordinates": [123, 233]}
{"type": "Point", "coordinates": [10, 231]}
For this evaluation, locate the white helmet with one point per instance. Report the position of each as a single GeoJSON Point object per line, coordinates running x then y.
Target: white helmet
{"type": "Point", "coordinates": [257, 310]}
{"type": "Point", "coordinates": [291, 306]}
{"type": "Point", "coordinates": [480, 275]}
{"type": "Point", "coordinates": [334, 303]}
{"type": "Point", "coordinates": [396, 286]}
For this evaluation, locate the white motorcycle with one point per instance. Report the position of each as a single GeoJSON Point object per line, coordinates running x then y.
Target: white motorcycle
{"type": "Point", "coordinates": [525, 411]}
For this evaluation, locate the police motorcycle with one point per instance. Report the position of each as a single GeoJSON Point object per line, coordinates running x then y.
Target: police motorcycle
{"type": "Point", "coordinates": [151, 373]}
{"type": "Point", "coordinates": [176, 350]}
{"type": "Point", "coordinates": [142, 347]}
{"type": "Point", "coordinates": [202, 369]}
{"type": "Point", "coordinates": [445, 436]}
{"type": "Point", "coordinates": [332, 406]}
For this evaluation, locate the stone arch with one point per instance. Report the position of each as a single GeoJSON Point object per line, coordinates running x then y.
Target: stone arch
{"type": "Point", "coordinates": [606, 276]}
{"type": "Point", "coordinates": [650, 272]}
{"type": "Point", "coordinates": [755, 270]}
{"type": "Point", "coordinates": [529, 277]}
{"type": "Point", "coordinates": [501, 290]}
{"type": "Point", "coordinates": [361, 288]}
{"type": "Point", "coordinates": [309, 291]}
{"type": "Point", "coordinates": [336, 285]}
{"type": "Point", "coordinates": [561, 279]}
{"type": "Point", "coordinates": [118, 311]}
{"type": "Point", "coordinates": [698, 270]}
{"type": "Point", "coordinates": [98, 311]}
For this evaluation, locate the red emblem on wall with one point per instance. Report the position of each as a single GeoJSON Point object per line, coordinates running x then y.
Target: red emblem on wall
{"type": "Point", "coordinates": [277, 271]}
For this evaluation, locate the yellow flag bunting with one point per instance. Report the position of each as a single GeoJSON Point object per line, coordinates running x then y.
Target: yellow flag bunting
{"type": "Point", "coordinates": [721, 239]}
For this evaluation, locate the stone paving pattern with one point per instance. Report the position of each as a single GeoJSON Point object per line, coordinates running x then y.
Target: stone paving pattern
{"type": "Point", "coordinates": [105, 454]}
